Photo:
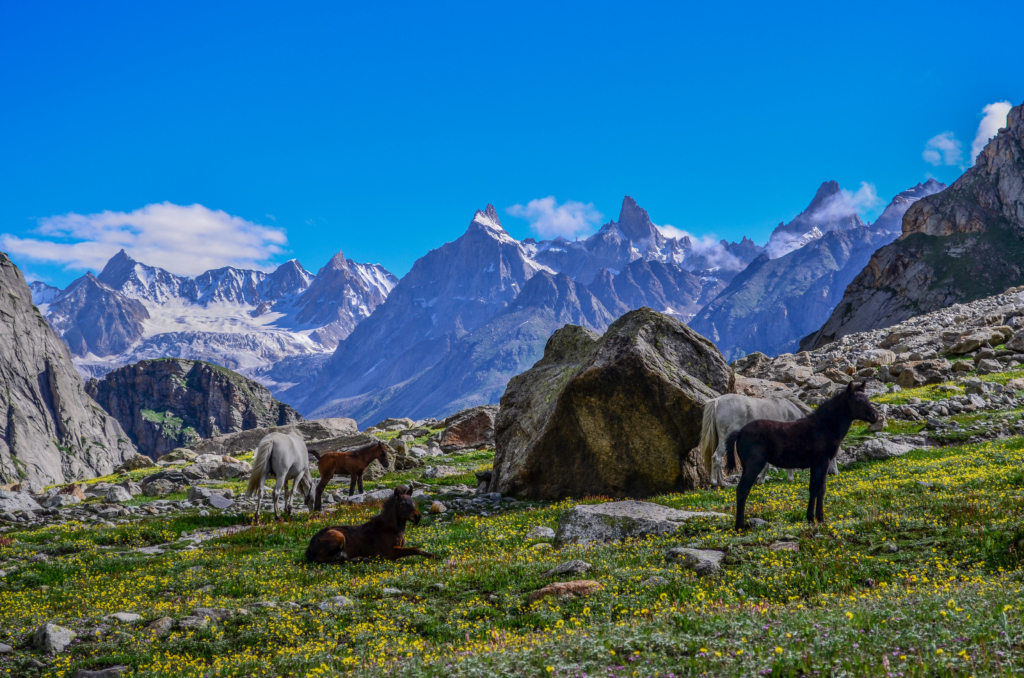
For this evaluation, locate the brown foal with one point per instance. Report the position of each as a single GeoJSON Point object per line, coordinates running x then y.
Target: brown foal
{"type": "Point", "coordinates": [382, 537]}
{"type": "Point", "coordinates": [352, 463]}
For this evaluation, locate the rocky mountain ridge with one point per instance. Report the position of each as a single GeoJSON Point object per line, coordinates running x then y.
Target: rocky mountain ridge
{"type": "Point", "coordinates": [52, 431]}
{"type": "Point", "coordinates": [169, 403]}
{"type": "Point", "coordinates": [961, 244]}
{"type": "Point", "coordinates": [243, 319]}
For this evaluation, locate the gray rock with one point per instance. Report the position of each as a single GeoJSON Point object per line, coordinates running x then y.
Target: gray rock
{"type": "Point", "coordinates": [561, 430]}
{"type": "Point", "coordinates": [388, 591]}
{"type": "Point", "coordinates": [17, 501]}
{"type": "Point", "coordinates": [6, 649]}
{"type": "Point", "coordinates": [117, 495]}
{"type": "Point", "coordinates": [989, 367]}
{"type": "Point", "coordinates": [61, 500]}
{"type": "Point", "coordinates": [703, 562]}
{"type": "Point", "coordinates": [219, 501]}
{"type": "Point", "coordinates": [193, 622]}
{"type": "Point", "coordinates": [540, 532]}
{"type": "Point", "coordinates": [469, 429]}
{"type": "Point", "coordinates": [882, 448]}
{"type": "Point", "coordinates": [655, 580]}
{"type": "Point", "coordinates": [197, 493]}
{"type": "Point", "coordinates": [159, 488]}
{"type": "Point", "coordinates": [336, 603]}
{"type": "Point", "coordinates": [570, 567]}
{"type": "Point", "coordinates": [756, 522]}
{"type": "Point", "coordinates": [437, 507]}
{"type": "Point", "coordinates": [51, 638]}
{"type": "Point", "coordinates": [109, 672]}
{"type": "Point", "coordinates": [440, 471]}
{"type": "Point", "coordinates": [160, 627]}
{"type": "Point", "coordinates": [615, 521]}
{"type": "Point", "coordinates": [125, 617]}
{"type": "Point", "coordinates": [216, 614]}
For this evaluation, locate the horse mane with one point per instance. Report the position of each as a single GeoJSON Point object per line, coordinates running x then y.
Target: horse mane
{"type": "Point", "coordinates": [830, 407]}
{"type": "Point", "coordinates": [389, 511]}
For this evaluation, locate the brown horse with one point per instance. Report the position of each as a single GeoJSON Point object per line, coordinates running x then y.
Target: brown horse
{"type": "Point", "coordinates": [352, 463]}
{"type": "Point", "coordinates": [382, 537]}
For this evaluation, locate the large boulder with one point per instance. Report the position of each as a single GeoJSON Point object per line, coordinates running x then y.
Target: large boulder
{"type": "Point", "coordinates": [923, 373]}
{"type": "Point", "coordinates": [17, 501]}
{"type": "Point", "coordinates": [469, 429]}
{"type": "Point", "coordinates": [243, 441]}
{"type": "Point", "coordinates": [618, 415]}
{"type": "Point", "coordinates": [615, 521]}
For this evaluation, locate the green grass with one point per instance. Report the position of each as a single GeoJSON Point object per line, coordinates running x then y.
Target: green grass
{"type": "Point", "coordinates": [838, 606]}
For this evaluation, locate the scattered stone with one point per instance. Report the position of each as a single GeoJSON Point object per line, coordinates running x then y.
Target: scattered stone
{"type": "Point", "coordinates": [540, 532]}
{"type": "Point", "coordinates": [336, 603]}
{"type": "Point", "coordinates": [109, 672]}
{"type": "Point", "coordinates": [882, 448]}
{"type": "Point", "coordinates": [60, 501]}
{"type": "Point", "coordinates": [197, 493]}
{"type": "Point", "coordinates": [655, 580]}
{"type": "Point", "coordinates": [17, 501]}
{"type": "Point", "coordinates": [219, 501]}
{"type": "Point", "coordinates": [51, 638]}
{"type": "Point", "coordinates": [117, 495]}
{"type": "Point", "coordinates": [567, 589]}
{"type": "Point", "coordinates": [440, 471]}
{"type": "Point", "coordinates": [139, 461]}
{"type": "Point", "coordinates": [570, 567]}
{"type": "Point", "coordinates": [755, 523]}
{"type": "Point", "coordinates": [387, 591]}
{"type": "Point", "coordinates": [161, 627]}
{"type": "Point", "coordinates": [6, 649]}
{"type": "Point", "coordinates": [125, 617]}
{"type": "Point", "coordinates": [469, 429]}
{"type": "Point", "coordinates": [437, 507]}
{"type": "Point", "coordinates": [193, 623]}
{"type": "Point", "coordinates": [542, 546]}
{"type": "Point", "coordinates": [159, 488]}
{"type": "Point", "coordinates": [615, 521]}
{"type": "Point", "coordinates": [702, 561]}
{"type": "Point", "coordinates": [989, 367]}
{"type": "Point", "coordinates": [784, 546]}
{"type": "Point", "coordinates": [437, 586]}
{"type": "Point", "coordinates": [892, 547]}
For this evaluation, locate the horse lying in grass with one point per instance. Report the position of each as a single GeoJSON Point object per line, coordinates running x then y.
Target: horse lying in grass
{"type": "Point", "coordinates": [283, 456]}
{"type": "Point", "coordinates": [352, 463]}
{"type": "Point", "coordinates": [811, 443]}
{"type": "Point", "coordinates": [382, 537]}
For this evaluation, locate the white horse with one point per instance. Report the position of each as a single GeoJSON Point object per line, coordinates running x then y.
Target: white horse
{"type": "Point", "coordinates": [283, 456]}
{"type": "Point", "coordinates": [731, 412]}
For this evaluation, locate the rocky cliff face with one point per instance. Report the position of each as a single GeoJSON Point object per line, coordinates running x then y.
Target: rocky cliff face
{"type": "Point", "coordinates": [52, 431]}
{"type": "Point", "coordinates": [962, 244]}
{"type": "Point", "coordinates": [776, 301]}
{"type": "Point", "coordinates": [164, 404]}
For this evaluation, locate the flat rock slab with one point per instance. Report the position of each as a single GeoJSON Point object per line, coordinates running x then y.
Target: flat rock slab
{"type": "Point", "coordinates": [784, 546]}
{"type": "Point", "coordinates": [615, 521]}
{"type": "Point", "coordinates": [125, 617]}
{"type": "Point", "coordinates": [6, 649]}
{"type": "Point", "coordinates": [51, 638]}
{"type": "Point", "coordinates": [703, 562]}
{"type": "Point", "coordinates": [570, 567]}
{"type": "Point", "coordinates": [219, 501]}
{"type": "Point", "coordinates": [109, 672]}
{"type": "Point", "coordinates": [336, 603]}
{"type": "Point", "coordinates": [567, 589]}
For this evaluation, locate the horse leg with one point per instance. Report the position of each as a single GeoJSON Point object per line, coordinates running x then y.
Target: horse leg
{"type": "Point", "coordinates": [406, 551]}
{"type": "Point", "coordinates": [751, 469]}
{"type": "Point", "coordinates": [273, 498]}
{"type": "Point", "coordinates": [259, 504]}
{"type": "Point", "coordinates": [819, 511]}
{"type": "Point", "coordinates": [320, 487]}
{"type": "Point", "coordinates": [360, 476]}
{"type": "Point", "coordinates": [813, 492]}
{"type": "Point", "coordinates": [289, 490]}
{"type": "Point", "coordinates": [352, 484]}
{"type": "Point", "coordinates": [716, 464]}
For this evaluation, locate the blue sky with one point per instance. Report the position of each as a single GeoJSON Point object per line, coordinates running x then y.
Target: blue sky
{"type": "Point", "coordinates": [378, 129]}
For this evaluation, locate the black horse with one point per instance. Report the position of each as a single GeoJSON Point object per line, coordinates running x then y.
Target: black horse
{"type": "Point", "coordinates": [810, 442]}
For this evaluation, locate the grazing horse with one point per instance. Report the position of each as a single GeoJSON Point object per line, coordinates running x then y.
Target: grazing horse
{"type": "Point", "coordinates": [352, 463]}
{"type": "Point", "coordinates": [811, 443]}
{"type": "Point", "coordinates": [382, 537]}
{"type": "Point", "coordinates": [283, 456]}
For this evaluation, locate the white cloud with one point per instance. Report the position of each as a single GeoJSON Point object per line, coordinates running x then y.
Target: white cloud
{"type": "Point", "coordinates": [943, 149]}
{"type": "Point", "coordinates": [993, 117]}
{"type": "Point", "coordinates": [184, 239]}
{"type": "Point", "coordinates": [548, 219]}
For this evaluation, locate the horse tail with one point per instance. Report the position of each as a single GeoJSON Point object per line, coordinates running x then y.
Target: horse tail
{"type": "Point", "coordinates": [316, 455]}
{"type": "Point", "coordinates": [731, 451]}
{"type": "Point", "coordinates": [709, 432]}
{"type": "Point", "coordinates": [259, 466]}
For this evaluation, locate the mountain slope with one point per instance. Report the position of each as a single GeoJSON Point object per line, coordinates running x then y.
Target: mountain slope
{"type": "Point", "coordinates": [242, 319]}
{"type": "Point", "coordinates": [828, 211]}
{"type": "Point", "coordinates": [962, 244]}
{"type": "Point", "coordinates": [50, 430]}
{"type": "Point", "coordinates": [776, 301]}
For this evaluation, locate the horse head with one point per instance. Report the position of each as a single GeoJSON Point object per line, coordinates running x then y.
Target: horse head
{"type": "Point", "coordinates": [859, 404]}
{"type": "Point", "coordinates": [382, 453]}
{"type": "Point", "coordinates": [405, 505]}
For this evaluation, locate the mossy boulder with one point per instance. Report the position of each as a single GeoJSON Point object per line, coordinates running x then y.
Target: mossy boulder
{"type": "Point", "coordinates": [616, 415]}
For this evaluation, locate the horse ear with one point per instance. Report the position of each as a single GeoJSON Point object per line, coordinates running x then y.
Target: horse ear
{"type": "Point", "coordinates": [859, 386]}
